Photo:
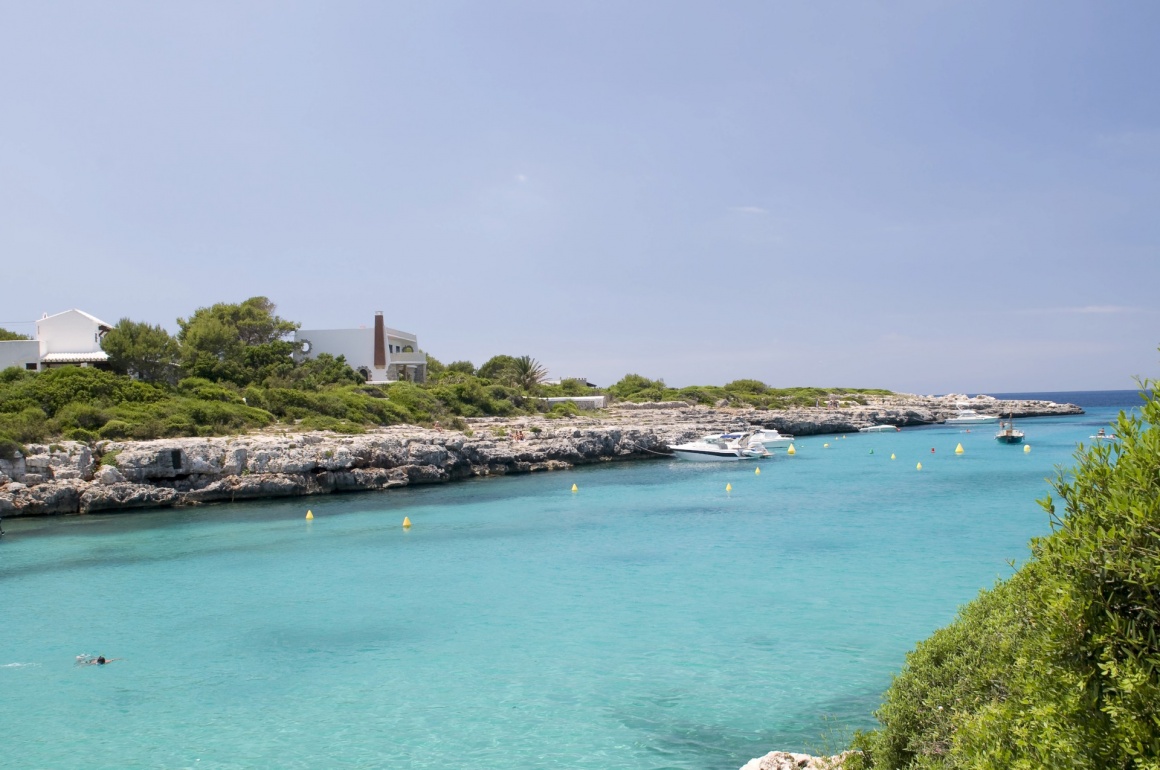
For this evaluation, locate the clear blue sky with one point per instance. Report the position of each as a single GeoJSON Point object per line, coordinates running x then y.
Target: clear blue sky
{"type": "Point", "coordinates": [926, 196]}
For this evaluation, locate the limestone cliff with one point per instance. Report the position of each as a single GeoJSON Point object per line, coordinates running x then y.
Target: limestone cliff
{"type": "Point", "coordinates": [75, 478]}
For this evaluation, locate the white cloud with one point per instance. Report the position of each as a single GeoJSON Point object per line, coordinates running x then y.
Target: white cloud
{"type": "Point", "coordinates": [749, 210]}
{"type": "Point", "coordinates": [521, 178]}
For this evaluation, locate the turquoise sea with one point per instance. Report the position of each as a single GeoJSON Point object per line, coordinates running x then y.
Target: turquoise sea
{"type": "Point", "coordinates": [650, 620]}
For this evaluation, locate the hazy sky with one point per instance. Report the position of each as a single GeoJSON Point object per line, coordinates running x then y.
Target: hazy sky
{"type": "Point", "coordinates": [925, 196]}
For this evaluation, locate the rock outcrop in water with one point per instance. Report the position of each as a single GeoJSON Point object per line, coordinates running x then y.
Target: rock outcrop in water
{"type": "Point", "coordinates": [75, 478]}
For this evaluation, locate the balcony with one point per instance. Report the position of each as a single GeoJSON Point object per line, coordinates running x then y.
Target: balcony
{"type": "Point", "coordinates": [407, 358]}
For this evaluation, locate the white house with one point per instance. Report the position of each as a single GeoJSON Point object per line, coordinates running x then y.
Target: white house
{"type": "Point", "coordinates": [379, 354]}
{"type": "Point", "coordinates": [71, 338]}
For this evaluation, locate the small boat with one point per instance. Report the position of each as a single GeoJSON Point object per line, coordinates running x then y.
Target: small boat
{"type": "Point", "coordinates": [971, 417]}
{"type": "Point", "coordinates": [1007, 433]}
{"type": "Point", "coordinates": [879, 429]}
{"type": "Point", "coordinates": [1103, 435]}
{"type": "Point", "coordinates": [770, 438]}
{"type": "Point", "coordinates": [721, 448]}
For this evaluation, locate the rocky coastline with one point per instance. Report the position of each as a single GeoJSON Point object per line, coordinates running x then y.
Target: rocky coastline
{"type": "Point", "coordinates": [75, 478]}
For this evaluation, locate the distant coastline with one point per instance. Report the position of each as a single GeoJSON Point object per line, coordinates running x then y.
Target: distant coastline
{"type": "Point", "coordinates": [1084, 398]}
{"type": "Point", "coordinates": [79, 478]}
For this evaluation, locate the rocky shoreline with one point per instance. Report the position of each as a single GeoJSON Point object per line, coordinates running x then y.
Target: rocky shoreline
{"type": "Point", "coordinates": [74, 478]}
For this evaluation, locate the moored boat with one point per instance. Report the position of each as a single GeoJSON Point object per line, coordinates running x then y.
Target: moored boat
{"type": "Point", "coordinates": [971, 417]}
{"type": "Point", "coordinates": [879, 429]}
{"type": "Point", "coordinates": [770, 438]}
{"type": "Point", "coordinates": [1007, 433]}
{"type": "Point", "coordinates": [1103, 435]}
{"type": "Point", "coordinates": [721, 448]}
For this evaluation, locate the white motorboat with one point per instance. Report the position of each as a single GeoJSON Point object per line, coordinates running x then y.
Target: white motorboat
{"type": "Point", "coordinates": [770, 438]}
{"type": "Point", "coordinates": [723, 447]}
{"type": "Point", "coordinates": [971, 417]}
{"type": "Point", "coordinates": [1103, 435]}
{"type": "Point", "coordinates": [879, 429]}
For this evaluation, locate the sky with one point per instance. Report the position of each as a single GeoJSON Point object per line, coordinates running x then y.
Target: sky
{"type": "Point", "coordinates": [930, 196]}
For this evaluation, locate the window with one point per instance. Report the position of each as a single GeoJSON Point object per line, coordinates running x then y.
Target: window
{"type": "Point", "coordinates": [30, 367]}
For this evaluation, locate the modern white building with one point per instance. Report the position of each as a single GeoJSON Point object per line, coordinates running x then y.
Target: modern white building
{"type": "Point", "coordinates": [71, 338]}
{"type": "Point", "coordinates": [380, 354]}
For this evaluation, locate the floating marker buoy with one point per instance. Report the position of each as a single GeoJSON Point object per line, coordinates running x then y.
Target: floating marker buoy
{"type": "Point", "coordinates": [309, 515]}
{"type": "Point", "coordinates": [575, 488]}
{"type": "Point", "coordinates": [959, 449]}
{"type": "Point", "coordinates": [871, 451]}
{"type": "Point", "coordinates": [728, 487]}
{"type": "Point", "coordinates": [1026, 448]}
{"type": "Point", "coordinates": [406, 522]}
{"type": "Point", "coordinates": [918, 467]}
{"type": "Point", "coordinates": [757, 471]}
{"type": "Point", "coordinates": [891, 455]}
{"type": "Point", "coordinates": [791, 450]}
{"type": "Point", "coordinates": [932, 450]}
{"type": "Point", "coordinates": [825, 446]}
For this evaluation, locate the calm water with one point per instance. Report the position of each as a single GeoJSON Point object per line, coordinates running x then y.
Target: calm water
{"type": "Point", "coordinates": [649, 621]}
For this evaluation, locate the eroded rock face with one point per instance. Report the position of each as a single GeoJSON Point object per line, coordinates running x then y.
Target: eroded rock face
{"type": "Point", "coordinates": [784, 760]}
{"type": "Point", "coordinates": [73, 478]}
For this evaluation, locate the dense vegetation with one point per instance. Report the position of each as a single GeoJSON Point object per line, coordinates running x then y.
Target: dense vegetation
{"type": "Point", "coordinates": [753, 393]}
{"type": "Point", "coordinates": [1058, 666]}
{"type": "Point", "coordinates": [229, 369]}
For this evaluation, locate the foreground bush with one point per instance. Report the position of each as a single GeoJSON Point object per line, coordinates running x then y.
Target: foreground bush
{"type": "Point", "coordinates": [1059, 666]}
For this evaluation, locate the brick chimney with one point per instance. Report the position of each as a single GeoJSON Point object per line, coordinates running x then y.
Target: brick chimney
{"type": "Point", "coordinates": [380, 342]}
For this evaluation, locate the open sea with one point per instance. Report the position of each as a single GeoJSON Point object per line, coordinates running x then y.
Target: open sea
{"type": "Point", "coordinates": [650, 620]}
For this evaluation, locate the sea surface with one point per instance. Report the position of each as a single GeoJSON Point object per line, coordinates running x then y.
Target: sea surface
{"type": "Point", "coordinates": [649, 620]}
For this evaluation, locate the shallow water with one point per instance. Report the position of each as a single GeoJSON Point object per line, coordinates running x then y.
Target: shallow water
{"type": "Point", "coordinates": [649, 621]}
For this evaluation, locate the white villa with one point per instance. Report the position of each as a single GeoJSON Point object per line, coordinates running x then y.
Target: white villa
{"type": "Point", "coordinates": [71, 338]}
{"type": "Point", "coordinates": [379, 354]}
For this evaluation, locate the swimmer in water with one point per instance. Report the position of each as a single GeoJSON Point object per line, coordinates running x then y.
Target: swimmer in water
{"type": "Point", "coordinates": [100, 660]}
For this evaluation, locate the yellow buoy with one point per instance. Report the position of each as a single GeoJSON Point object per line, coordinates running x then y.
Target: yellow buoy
{"type": "Point", "coordinates": [959, 449]}
{"type": "Point", "coordinates": [309, 515]}
{"type": "Point", "coordinates": [406, 522]}
{"type": "Point", "coordinates": [918, 467]}
{"type": "Point", "coordinates": [1026, 447]}
{"type": "Point", "coordinates": [575, 488]}
{"type": "Point", "coordinates": [791, 450]}
{"type": "Point", "coordinates": [728, 487]}
{"type": "Point", "coordinates": [891, 455]}
{"type": "Point", "coordinates": [825, 446]}
{"type": "Point", "coordinates": [757, 471]}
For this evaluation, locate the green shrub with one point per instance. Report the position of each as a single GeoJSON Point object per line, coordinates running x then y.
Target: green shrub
{"type": "Point", "coordinates": [564, 409]}
{"type": "Point", "coordinates": [747, 386]}
{"type": "Point", "coordinates": [10, 449]}
{"type": "Point", "coordinates": [205, 390]}
{"type": "Point", "coordinates": [28, 425]}
{"type": "Point", "coordinates": [115, 429]}
{"type": "Point", "coordinates": [81, 434]}
{"type": "Point", "coordinates": [1059, 666]}
{"type": "Point", "coordinates": [84, 416]}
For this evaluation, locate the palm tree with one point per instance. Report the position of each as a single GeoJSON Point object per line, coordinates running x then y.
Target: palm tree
{"type": "Point", "coordinates": [527, 373]}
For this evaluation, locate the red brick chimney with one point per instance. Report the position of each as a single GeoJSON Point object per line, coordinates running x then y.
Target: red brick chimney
{"type": "Point", "coordinates": [380, 342]}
